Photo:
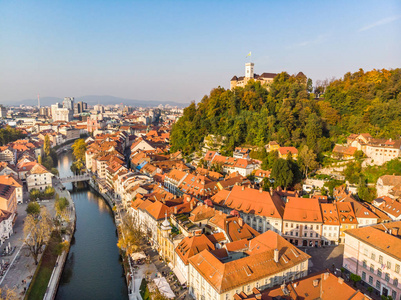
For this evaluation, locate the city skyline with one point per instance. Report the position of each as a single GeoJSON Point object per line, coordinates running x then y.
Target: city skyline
{"type": "Point", "coordinates": [179, 52]}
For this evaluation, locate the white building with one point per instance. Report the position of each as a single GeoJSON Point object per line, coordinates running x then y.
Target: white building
{"type": "Point", "coordinates": [38, 178]}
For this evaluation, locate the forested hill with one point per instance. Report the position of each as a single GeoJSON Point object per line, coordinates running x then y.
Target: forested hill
{"type": "Point", "coordinates": [289, 114]}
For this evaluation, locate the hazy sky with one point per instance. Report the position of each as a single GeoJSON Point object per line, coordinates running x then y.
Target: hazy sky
{"type": "Point", "coordinates": [180, 50]}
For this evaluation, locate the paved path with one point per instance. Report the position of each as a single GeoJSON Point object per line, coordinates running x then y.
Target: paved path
{"type": "Point", "coordinates": [58, 269]}
{"type": "Point", "coordinates": [22, 265]}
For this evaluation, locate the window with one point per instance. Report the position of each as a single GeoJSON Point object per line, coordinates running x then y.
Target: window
{"type": "Point", "coordinates": [364, 264]}
{"type": "Point", "coordinates": [397, 268]}
{"type": "Point", "coordinates": [394, 294]}
{"type": "Point", "coordinates": [365, 252]}
{"type": "Point", "coordinates": [370, 280]}
{"type": "Point", "coordinates": [248, 288]}
{"type": "Point", "coordinates": [389, 265]}
{"type": "Point", "coordinates": [372, 268]}
{"type": "Point", "coordinates": [317, 235]}
{"type": "Point", "coordinates": [378, 284]}
{"type": "Point", "coordinates": [380, 259]}
{"type": "Point", "coordinates": [364, 276]}
{"type": "Point", "coordinates": [387, 277]}
{"type": "Point", "coordinates": [395, 282]}
{"type": "Point", "coordinates": [311, 234]}
{"type": "Point", "coordinates": [379, 272]}
{"type": "Point", "coordinates": [373, 256]}
{"type": "Point", "coordinates": [286, 225]}
{"type": "Point", "coordinates": [306, 226]}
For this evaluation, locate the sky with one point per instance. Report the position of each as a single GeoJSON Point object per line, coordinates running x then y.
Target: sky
{"type": "Point", "coordinates": [180, 50]}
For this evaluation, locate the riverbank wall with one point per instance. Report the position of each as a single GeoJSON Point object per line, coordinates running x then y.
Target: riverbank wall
{"type": "Point", "coordinates": [61, 259]}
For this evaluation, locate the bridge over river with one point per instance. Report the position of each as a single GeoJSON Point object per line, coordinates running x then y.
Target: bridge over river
{"type": "Point", "coordinates": [75, 178]}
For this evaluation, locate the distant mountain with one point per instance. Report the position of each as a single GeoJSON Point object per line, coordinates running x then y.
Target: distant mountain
{"type": "Point", "coordinates": [94, 99]}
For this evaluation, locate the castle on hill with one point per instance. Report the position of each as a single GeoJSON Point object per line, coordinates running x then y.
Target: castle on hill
{"type": "Point", "coordinates": [264, 79]}
{"type": "Point", "coordinates": [241, 81]}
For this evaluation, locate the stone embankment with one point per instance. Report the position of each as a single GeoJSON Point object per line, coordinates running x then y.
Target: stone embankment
{"type": "Point", "coordinates": [61, 259]}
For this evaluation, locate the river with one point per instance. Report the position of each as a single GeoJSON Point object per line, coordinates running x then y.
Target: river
{"type": "Point", "coordinates": [93, 269]}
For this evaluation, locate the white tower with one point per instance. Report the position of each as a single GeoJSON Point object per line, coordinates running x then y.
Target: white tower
{"type": "Point", "coordinates": [249, 70]}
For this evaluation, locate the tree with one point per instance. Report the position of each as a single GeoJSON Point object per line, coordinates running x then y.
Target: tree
{"type": "Point", "coordinates": [54, 171]}
{"type": "Point", "coordinates": [352, 172]}
{"type": "Point", "coordinates": [268, 161]}
{"type": "Point", "coordinates": [130, 237]}
{"type": "Point", "coordinates": [49, 192]}
{"type": "Point", "coordinates": [33, 208]}
{"type": "Point", "coordinates": [157, 295]}
{"type": "Point", "coordinates": [307, 160]}
{"type": "Point", "coordinates": [34, 194]}
{"type": "Point", "coordinates": [313, 131]}
{"type": "Point", "coordinates": [46, 145]}
{"type": "Point", "coordinates": [364, 192]}
{"type": "Point", "coordinates": [37, 232]}
{"type": "Point", "coordinates": [355, 278]}
{"type": "Point", "coordinates": [8, 294]}
{"type": "Point", "coordinates": [79, 149]}
{"type": "Point", "coordinates": [61, 206]}
{"type": "Point", "coordinates": [282, 173]}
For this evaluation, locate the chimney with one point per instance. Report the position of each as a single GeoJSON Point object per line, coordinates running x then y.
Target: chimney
{"type": "Point", "coordinates": [240, 222]}
{"type": "Point", "coordinates": [340, 280]}
{"type": "Point", "coordinates": [175, 210]}
{"type": "Point", "coordinates": [243, 188]}
{"type": "Point", "coordinates": [326, 275]}
{"type": "Point", "coordinates": [271, 191]}
{"type": "Point", "coordinates": [188, 198]}
{"type": "Point", "coordinates": [220, 212]}
{"type": "Point", "coordinates": [315, 282]}
{"type": "Point", "coordinates": [191, 205]}
{"type": "Point", "coordinates": [260, 190]}
{"type": "Point", "coordinates": [276, 255]}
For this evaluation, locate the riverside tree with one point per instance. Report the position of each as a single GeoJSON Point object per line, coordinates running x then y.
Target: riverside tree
{"type": "Point", "coordinates": [130, 235]}
{"type": "Point", "coordinates": [78, 151]}
{"type": "Point", "coordinates": [37, 231]}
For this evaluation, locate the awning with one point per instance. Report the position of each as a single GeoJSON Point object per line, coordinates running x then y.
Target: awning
{"type": "Point", "coordinates": [179, 275]}
{"type": "Point", "coordinates": [164, 287]}
{"type": "Point", "coordinates": [138, 255]}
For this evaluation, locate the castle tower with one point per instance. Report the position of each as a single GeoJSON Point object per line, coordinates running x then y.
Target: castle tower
{"type": "Point", "coordinates": [249, 70]}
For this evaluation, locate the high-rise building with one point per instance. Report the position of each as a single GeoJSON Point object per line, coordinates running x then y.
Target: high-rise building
{"type": "Point", "coordinates": [68, 103]}
{"type": "Point", "coordinates": [60, 113]}
{"type": "Point", "coordinates": [3, 111]}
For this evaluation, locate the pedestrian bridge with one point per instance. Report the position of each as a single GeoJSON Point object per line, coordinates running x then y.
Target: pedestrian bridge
{"type": "Point", "coordinates": [76, 178]}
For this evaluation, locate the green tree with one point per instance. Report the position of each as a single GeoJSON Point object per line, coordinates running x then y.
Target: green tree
{"type": "Point", "coordinates": [307, 160]}
{"type": "Point", "coordinates": [352, 172]}
{"type": "Point", "coordinates": [49, 192]}
{"type": "Point", "coordinates": [61, 204]}
{"type": "Point", "coordinates": [364, 192]}
{"type": "Point", "coordinates": [34, 194]}
{"type": "Point", "coordinates": [33, 208]}
{"type": "Point", "coordinates": [313, 131]}
{"type": "Point", "coordinates": [269, 160]}
{"type": "Point", "coordinates": [282, 173]}
{"type": "Point", "coordinates": [355, 278]}
{"type": "Point", "coordinates": [46, 146]}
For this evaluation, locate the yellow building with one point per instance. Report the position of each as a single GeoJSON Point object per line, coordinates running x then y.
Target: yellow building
{"type": "Point", "coordinates": [167, 242]}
